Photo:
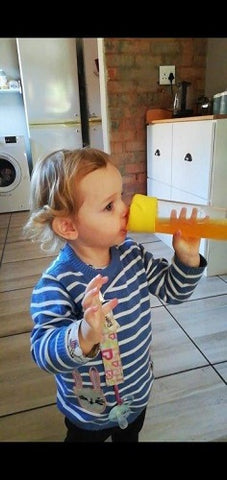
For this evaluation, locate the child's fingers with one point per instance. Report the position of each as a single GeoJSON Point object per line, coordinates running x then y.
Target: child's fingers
{"type": "Point", "coordinates": [90, 298]}
{"type": "Point", "coordinates": [90, 314]}
{"type": "Point", "coordinates": [194, 213]}
{"type": "Point", "coordinates": [183, 213]}
{"type": "Point", "coordinates": [173, 214]}
{"type": "Point", "coordinates": [97, 281]}
{"type": "Point", "coordinates": [108, 306]}
{"type": "Point", "coordinates": [92, 291]}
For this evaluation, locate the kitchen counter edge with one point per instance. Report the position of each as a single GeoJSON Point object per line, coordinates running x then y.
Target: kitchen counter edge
{"type": "Point", "coordinates": [188, 119]}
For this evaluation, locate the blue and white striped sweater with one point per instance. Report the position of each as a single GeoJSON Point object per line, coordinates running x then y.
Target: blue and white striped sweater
{"type": "Point", "coordinates": [56, 304]}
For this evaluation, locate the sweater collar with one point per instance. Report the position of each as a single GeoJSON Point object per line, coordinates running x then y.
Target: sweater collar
{"type": "Point", "coordinates": [87, 270]}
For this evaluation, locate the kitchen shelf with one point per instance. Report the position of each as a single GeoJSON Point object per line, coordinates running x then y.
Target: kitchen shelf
{"type": "Point", "coordinates": [10, 90]}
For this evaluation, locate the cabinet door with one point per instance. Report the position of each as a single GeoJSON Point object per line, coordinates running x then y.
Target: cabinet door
{"type": "Point", "coordinates": [158, 189]}
{"type": "Point", "coordinates": [178, 195]}
{"type": "Point", "coordinates": [192, 151]}
{"type": "Point", "coordinates": [159, 141]}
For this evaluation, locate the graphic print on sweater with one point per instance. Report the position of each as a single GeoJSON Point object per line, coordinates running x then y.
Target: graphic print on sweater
{"type": "Point", "coordinates": [91, 399]}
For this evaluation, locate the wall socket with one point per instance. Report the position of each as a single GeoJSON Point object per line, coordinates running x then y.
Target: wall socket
{"type": "Point", "coordinates": [164, 71]}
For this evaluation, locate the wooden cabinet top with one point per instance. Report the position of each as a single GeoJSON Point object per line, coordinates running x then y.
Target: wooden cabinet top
{"type": "Point", "coordinates": [188, 119]}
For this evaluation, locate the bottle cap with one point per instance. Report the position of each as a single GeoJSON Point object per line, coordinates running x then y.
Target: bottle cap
{"type": "Point", "coordinates": [142, 214]}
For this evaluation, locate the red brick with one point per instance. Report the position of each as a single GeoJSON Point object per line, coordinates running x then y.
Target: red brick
{"type": "Point", "coordinates": [132, 66]}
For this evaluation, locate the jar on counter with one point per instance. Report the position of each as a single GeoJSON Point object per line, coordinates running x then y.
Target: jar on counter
{"type": "Point", "coordinates": [216, 103]}
{"type": "Point", "coordinates": [223, 103]}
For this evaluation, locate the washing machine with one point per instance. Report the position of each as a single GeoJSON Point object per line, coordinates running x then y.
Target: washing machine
{"type": "Point", "coordinates": [14, 174]}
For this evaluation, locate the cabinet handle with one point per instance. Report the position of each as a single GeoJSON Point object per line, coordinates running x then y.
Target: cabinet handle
{"type": "Point", "coordinates": [188, 157]}
{"type": "Point", "coordinates": [157, 153]}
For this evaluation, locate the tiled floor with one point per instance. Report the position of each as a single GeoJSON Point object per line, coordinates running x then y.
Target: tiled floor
{"type": "Point", "coordinates": [189, 397]}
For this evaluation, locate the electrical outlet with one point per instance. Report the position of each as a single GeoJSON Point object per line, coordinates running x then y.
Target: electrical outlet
{"type": "Point", "coordinates": [164, 71]}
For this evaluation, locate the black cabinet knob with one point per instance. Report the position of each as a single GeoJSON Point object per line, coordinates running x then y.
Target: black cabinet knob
{"type": "Point", "coordinates": [188, 157]}
{"type": "Point", "coordinates": [157, 153]}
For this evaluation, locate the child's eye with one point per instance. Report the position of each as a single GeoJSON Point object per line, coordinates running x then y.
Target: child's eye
{"type": "Point", "coordinates": [109, 206]}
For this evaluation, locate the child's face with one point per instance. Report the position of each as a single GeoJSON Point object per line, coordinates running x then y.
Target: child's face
{"type": "Point", "coordinates": [102, 217]}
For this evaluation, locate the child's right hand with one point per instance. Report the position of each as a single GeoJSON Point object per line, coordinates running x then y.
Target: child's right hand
{"type": "Point", "coordinates": [186, 247]}
{"type": "Point", "coordinates": [91, 328]}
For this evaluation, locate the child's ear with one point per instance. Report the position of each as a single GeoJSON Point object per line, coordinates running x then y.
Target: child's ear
{"type": "Point", "coordinates": [64, 227]}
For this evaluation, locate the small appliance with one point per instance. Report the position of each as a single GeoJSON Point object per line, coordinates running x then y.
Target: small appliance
{"type": "Point", "coordinates": [180, 105]}
{"type": "Point", "coordinates": [14, 174]}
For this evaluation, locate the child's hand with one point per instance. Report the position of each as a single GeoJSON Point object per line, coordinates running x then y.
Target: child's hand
{"type": "Point", "coordinates": [91, 329]}
{"type": "Point", "coordinates": [186, 248]}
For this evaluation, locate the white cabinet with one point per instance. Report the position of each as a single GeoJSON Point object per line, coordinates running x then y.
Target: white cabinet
{"type": "Point", "coordinates": [159, 152]}
{"type": "Point", "coordinates": [159, 141]}
{"type": "Point", "coordinates": [187, 161]}
{"type": "Point", "coordinates": [192, 153]}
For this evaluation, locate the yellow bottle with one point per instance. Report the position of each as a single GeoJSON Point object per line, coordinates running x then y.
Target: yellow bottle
{"type": "Point", "coordinates": [149, 214]}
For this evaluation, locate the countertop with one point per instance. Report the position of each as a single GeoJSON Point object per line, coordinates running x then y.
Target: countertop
{"type": "Point", "coordinates": [188, 119]}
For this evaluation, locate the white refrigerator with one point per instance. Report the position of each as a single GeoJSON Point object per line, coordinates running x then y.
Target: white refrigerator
{"type": "Point", "coordinates": [49, 76]}
{"type": "Point", "coordinates": [91, 68]}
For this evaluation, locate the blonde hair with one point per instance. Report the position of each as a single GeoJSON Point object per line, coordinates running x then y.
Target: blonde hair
{"type": "Point", "coordinates": [53, 191]}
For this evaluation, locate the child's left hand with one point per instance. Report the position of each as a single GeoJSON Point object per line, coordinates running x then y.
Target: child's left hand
{"type": "Point", "coordinates": [91, 328]}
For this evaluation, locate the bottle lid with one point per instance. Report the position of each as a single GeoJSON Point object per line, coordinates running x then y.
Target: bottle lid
{"type": "Point", "coordinates": [142, 214]}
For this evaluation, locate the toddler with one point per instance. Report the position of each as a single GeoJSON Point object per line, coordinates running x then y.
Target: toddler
{"type": "Point", "coordinates": [91, 307]}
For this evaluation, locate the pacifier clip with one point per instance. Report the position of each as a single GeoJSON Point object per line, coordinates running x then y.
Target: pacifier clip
{"type": "Point", "coordinates": [113, 368]}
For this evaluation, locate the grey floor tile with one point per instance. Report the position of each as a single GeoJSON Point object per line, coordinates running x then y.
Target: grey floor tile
{"type": "Point", "coordinates": [155, 302]}
{"type": "Point", "coordinates": [44, 424]}
{"type": "Point", "coordinates": [15, 312]}
{"type": "Point", "coordinates": [17, 222]}
{"type": "Point", "coordinates": [18, 219]}
{"type": "Point", "coordinates": [23, 250]}
{"type": "Point", "coordinates": [222, 369]}
{"type": "Point", "coordinates": [159, 250]}
{"type": "Point", "coordinates": [3, 233]}
{"type": "Point", "coordinates": [143, 237]}
{"type": "Point", "coordinates": [188, 407]}
{"type": "Point", "coordinates": [4, 219]}
{"type": "Point", "coordinates": [205, 323]}
{"type": "Point", "coordinates": [22, 273]}
{"type": "Point", "coordinates": [209, 287]}
{"type": "Point", "coordinates": [224, 277]}
{"type": "Point", "coordinates": [26, 386]}
{"type": "Point", "coordinates": [171, 350]}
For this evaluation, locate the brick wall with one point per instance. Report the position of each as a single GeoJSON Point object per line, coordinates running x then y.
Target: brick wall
{"type": "Point", "coordinates": [132, 88]}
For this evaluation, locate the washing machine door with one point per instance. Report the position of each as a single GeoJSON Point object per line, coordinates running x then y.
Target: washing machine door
{"type": "Point", "coordinates": [10, 173]}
